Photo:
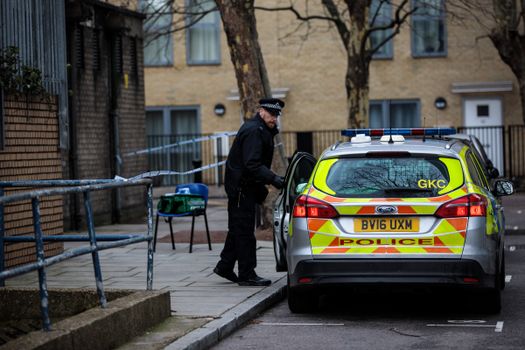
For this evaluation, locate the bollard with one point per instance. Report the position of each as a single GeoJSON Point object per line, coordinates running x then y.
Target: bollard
{"type": "Point", "coordinates": [197, 177]}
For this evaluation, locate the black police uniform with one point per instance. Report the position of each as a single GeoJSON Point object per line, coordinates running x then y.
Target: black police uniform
{"type": "Point", "coordinates": [247, 172]}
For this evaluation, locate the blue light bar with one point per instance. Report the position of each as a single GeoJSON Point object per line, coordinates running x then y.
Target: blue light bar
{"type": "Point", "coordinates": [400, 131]}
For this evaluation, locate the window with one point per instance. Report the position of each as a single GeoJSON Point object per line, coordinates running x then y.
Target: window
{"type": "Point", "coordinates": [168, 126]}
{"type": "Point", "coordinates": [203, 37]}
{"type": "Point", "coordinates": [428, 28]}
{"type": "Point", "coordinates": [475, 175]}
{"type": "Point", "coordinates": [158, 46]}
{"type": "Point", "coordinates": [483, 110]}
{"type": "Point", "coordinates": [481, 172]}
{"type": "Point", "coordinates": [380, 15]}
{"type": "Point", "coordinates": [389, 177]}
{"type": "Point", "coordinates": [394, 114]}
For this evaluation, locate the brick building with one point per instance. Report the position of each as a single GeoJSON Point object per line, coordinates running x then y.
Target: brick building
{"type": "Point", "coordinates": [433, 59]}
{"type": "Point", "coordinates": [106, 105]}
{"type": "Point", "coordinates": [93, 117]}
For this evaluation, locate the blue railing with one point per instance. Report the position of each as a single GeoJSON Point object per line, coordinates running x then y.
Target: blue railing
{"type": "Point", "coordinates": [63, 187]}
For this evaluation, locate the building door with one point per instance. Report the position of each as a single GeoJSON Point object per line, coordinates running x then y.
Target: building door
{"type": "Point", "coordinates": [484, 118]}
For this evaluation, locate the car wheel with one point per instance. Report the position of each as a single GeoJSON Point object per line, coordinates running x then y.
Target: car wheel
{"type": "Point", "coordinates": [280, 260]}
{"type": "Point", "coordinates": [502, 273]}
{"type": "Point", "coordinates": [300, 302]}
{"type": "Point", "coordinates": [491, 301]}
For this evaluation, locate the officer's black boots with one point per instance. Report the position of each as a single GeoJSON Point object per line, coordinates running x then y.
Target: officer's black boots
{"type": "Point", "coordinates": [255, 281]}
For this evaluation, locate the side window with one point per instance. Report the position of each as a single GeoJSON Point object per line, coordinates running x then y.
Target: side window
{"type": "Point", "coordinates": [428, 28]}
{"type": "Point", "coordinates": [482, 173]}
{"type": "Point", "coordinates": [475, 175]}
{"type": "Point", "coordinates": [301, 174]}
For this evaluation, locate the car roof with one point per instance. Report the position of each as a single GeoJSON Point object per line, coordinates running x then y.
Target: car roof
{"type": "Point", "coordinates": [443, 147]}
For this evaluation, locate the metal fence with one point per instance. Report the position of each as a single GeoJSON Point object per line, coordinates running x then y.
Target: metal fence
{"type": "Point", "coordinates": [38, 29]}
{"type": "Point", "coordinates": [505, 146]}
{"type": "Point", "coordinates": [167, 155]}
{"type": "Point", "coordinates": [57, 187]}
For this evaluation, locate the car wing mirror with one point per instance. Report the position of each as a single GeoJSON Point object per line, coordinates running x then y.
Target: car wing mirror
{"type": "Point", "coordinates": [300, 188]}
{"type": "Point", "coordinates": [503, 188]}
{"type": "Point", "coordinates": [494, 173]}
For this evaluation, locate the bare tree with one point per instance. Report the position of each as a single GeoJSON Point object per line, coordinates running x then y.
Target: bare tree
{"type": "Point", "coordinates": [240, 26]}
{"type": "Point", "coordinates": [355, 24]}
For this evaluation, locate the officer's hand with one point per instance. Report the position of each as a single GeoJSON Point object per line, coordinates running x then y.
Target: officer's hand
{"type": "Point", "coordinates": [278, 181]}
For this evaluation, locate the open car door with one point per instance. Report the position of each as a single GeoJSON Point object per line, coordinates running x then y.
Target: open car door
{"type": "Point", "coordinates": [298, 172]}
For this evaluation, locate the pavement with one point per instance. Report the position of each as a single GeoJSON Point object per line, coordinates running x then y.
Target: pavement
{"type": "Point", "coordinates": [205, 308]}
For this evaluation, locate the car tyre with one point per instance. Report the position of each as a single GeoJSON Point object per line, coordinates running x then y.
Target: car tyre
{"type": "Point", "coordinates": [502, 273]}
{"type": "Point", "coordinates": [491, 301]}
{"type": "Point", "coordinates": [300, 302]}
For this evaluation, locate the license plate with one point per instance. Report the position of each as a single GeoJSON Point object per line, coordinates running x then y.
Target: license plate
{"type": "Point", "coordinates": [386, 225]}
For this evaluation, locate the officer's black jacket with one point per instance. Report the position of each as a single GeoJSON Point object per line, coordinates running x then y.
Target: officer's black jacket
{"type": "Point", "coordinates": [250, 158]}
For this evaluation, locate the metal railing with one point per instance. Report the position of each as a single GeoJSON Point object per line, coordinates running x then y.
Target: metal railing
{"type": "Point", "coordinates": [505, 146]}
{"type": "Point", "coordinates": [57, 187]}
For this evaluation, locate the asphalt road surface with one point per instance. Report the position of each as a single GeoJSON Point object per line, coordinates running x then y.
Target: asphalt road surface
{"type": "Point", "coordinates": [397, 319]}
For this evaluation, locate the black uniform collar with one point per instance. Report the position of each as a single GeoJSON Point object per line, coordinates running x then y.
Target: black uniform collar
{"type": "Point", "coordinates": [261, 122]}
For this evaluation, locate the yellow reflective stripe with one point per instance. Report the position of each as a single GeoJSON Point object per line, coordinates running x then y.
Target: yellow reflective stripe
{"type": "Point", "coordinates": [455, 173]}
{"type": "Point", "coordinates": [348, 210]}
{"type": "Point", "coordinates": [322, 173]}
{"type": "Point", "coordinates": [425, 209]}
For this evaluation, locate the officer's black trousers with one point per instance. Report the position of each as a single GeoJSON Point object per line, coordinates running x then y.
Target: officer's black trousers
{"type": "Point", "coordinates": [240, 242]}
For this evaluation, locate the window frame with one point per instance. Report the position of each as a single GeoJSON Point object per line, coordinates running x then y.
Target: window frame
{"type": "Point", "coordinates": [170, 61]}
{"type": "Point", "coordinates": [416, 17]}
{"type": "Point", "coordinates": [166, 115]}
{"type": "Point", "coordinates": [385, 105]}
{"type": "Point", "coordinates": [217, 35]}
{"type": "Point", "coordinates": [381, 20]}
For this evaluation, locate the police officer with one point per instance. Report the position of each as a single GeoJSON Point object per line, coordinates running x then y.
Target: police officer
{"type": "Point", "coordinates": [247, 172]}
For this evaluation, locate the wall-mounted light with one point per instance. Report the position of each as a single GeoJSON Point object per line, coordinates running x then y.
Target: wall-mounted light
{"type": "Point", "coordinates": [440, 103]}
{"type": "Point", "coordinates": [219, 109]}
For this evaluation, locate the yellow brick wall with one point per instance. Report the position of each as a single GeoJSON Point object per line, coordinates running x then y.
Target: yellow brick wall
{"type": "Point", "coordinates": [314, 71]}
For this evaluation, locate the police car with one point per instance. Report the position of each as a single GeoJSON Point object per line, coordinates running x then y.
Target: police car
{"type": "Point", "coordinates": [392, 206]}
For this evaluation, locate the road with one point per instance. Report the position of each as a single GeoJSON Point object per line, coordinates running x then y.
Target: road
{"type": "Point", "coordinates": [396, 319]}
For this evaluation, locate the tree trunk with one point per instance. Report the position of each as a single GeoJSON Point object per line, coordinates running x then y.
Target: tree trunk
{"type": "Point", "coordinates": [238, 19]}
{"type": "Point", "coordinates": [358, 62]}
{"type": "Point", "coordinates": [511, 48]}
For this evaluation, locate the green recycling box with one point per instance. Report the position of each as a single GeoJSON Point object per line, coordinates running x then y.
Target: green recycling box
{"type": "Point", "coordinates": [178, 203]}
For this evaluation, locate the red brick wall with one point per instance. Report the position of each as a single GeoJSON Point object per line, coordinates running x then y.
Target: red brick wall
{"type": "Point", "coordinates": [31, 153]}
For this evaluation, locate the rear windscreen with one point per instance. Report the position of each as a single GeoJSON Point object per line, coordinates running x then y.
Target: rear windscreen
{"type": "Point", "coordinates": [408, 177]}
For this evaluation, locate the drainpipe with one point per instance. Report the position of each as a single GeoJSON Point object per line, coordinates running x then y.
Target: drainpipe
{"type": "Point", "coordinates": [72, 75]}
{"type": "Point", "coordinates": [114, 83]}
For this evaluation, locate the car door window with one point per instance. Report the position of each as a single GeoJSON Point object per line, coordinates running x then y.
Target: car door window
{"type": "Point", "coordinates": [475, 174]}
{"type": "Point", "coordinates": [301, 174]}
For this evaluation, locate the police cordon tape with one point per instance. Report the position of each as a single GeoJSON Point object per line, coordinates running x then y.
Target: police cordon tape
{"type": "Point", "coordinates": [169, 172]}
{"type": "Point", "coordinates": [180, 143]}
